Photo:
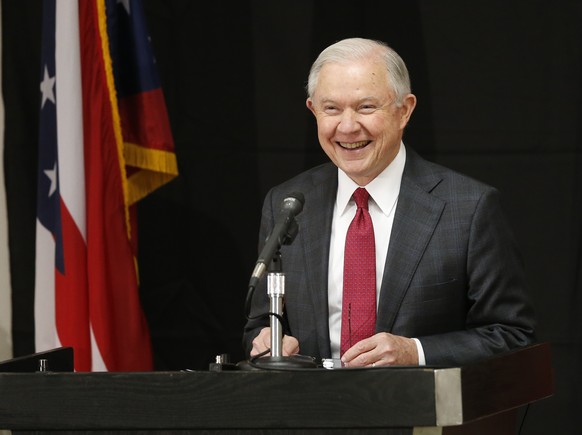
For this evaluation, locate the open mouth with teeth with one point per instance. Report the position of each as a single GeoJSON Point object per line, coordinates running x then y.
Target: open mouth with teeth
{"type": "Point", "coordinates": [354, 145]}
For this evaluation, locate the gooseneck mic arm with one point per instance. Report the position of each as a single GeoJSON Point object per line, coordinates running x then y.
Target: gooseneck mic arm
{"type": "Point", "coordinates": [283, 233]}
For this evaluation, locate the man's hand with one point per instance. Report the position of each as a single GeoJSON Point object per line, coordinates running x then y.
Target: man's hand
{"type": "Point", "coordinates": [262, 342]}
{"type": "Point", "coordinates": [382, 349]}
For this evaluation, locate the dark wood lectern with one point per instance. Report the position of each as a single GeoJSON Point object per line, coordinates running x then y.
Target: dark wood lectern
{"type": "Point", "coordinates": [477, 398]}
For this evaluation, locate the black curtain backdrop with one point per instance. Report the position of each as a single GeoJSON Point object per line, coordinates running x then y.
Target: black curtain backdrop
{"type": "Point", "coordinates": [499, 89]}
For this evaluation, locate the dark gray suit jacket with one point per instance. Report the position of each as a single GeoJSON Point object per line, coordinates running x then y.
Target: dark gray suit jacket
{"type": "Point", "coordinates": [453, 277]}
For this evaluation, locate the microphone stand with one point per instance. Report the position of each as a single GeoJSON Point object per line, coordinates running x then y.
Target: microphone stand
{"type": "Point", "coordinates": [276, 293]}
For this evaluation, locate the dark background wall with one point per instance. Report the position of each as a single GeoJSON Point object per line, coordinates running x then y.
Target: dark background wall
{"type": "Point", "coordinates": [499, 89]}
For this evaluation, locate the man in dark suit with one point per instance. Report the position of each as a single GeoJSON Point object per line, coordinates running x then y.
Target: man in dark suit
{"type": "Point", "coordinates": [450, 282]}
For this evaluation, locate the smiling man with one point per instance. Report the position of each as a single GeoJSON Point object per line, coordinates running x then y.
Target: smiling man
{"type": "Point", "coordinates": [428, 272]}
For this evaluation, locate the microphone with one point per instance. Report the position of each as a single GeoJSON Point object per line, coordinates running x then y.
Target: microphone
{"type": "Point", "coordinates": [283, 233]}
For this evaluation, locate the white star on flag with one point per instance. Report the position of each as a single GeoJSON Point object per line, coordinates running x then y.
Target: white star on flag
{"type": "Point", "coordinates": [125, 4]}
{"type": "Point", "coordinates": [52, 175]}
{"type": "Point", "coordinates": [47, 88]}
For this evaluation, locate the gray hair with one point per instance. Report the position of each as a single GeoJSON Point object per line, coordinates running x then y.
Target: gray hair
{"type": "Point", "coordinates": [352, 49]}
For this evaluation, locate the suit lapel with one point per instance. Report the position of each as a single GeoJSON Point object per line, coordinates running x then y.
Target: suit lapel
{"type": "Point", "coordinates": [316, 233]}
{"type": "Point", "coordinates": [416, 217]}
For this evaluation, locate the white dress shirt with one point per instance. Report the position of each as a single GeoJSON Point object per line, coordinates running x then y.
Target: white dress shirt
{"type": "Point", "coordinates": [383, 192]}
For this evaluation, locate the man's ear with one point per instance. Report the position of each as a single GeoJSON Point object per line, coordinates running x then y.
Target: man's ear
{"type": "Point", "coordinates": [310, 106]}
{"type": "Point", "coordinates": [408, 105]}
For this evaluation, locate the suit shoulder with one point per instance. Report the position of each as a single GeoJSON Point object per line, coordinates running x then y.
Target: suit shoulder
{"type": "Point", "coordinates": [306, 180]}
{"type": "Point", "coordinates": [435, 178]}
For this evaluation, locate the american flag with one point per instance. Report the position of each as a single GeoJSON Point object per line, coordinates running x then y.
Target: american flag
{"type": "Point", "coordinates": [105, 142]}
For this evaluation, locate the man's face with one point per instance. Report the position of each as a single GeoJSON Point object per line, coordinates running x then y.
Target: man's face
{"type": "Point", "coordinates": [359, 124]}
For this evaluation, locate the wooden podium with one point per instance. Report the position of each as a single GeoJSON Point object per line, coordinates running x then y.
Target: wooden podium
{"type": "Point", "coordinates": [477, 398]}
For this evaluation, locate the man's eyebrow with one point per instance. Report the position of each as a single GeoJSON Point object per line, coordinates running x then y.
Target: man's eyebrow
{"type": "Point", "coordinates": [360, 100]}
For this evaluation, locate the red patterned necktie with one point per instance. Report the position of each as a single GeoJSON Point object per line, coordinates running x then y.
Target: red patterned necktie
{"type": "Point", "coordinates": [359, 296]}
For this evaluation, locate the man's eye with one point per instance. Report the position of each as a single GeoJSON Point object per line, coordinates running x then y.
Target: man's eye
{"type": "Point", "coordinates": [367, 108]}
{"type": "Point", "coordinates": [330, 109]}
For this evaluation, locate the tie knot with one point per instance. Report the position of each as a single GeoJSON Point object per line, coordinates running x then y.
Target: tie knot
{"type": "Point", "coordinates": [361, 196]}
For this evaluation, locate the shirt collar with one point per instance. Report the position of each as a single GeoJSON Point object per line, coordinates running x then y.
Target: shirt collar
{"type": "Point", "coordinates": [383, 189]}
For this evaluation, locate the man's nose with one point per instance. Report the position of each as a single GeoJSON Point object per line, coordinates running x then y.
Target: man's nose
{"type": "Point", "coordinates": [348, 122]}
